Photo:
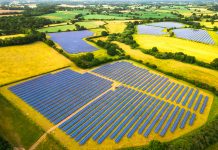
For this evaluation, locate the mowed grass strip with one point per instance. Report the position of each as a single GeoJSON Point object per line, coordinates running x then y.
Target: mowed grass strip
{"type": "Point", "coordinates": [189, 71]}
{"type": "Point", "coordinates": [19, 62]}
{"type": "Point", "coordinates": [169, 44]}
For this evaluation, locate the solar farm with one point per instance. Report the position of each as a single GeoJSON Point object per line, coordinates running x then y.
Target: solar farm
{"type": "Point", "coordinates": [167, 24]}
{"type": "Point", "coordinates": [119, 101]}
{"type": "Point", "coordinates": [105, 75]}
{"type": "Point", "coordinates": [197, 35]}
{"type": "Point", "coordinates": [194, 35]}
{"type": "Point", "coordinates": [72, 42]}
{"type": "Point", "coordinates": [145, 29]}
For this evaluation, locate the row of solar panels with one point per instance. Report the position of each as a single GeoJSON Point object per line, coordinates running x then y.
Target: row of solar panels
{"type": "Point", "coordinates": [56, 96]}
{"type": "Point", "coordinates": [136, 77]}
{"type": "Point", "coordinates": [123, 112]}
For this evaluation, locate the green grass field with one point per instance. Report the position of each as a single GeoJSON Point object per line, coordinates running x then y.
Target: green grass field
{"type": "Point", "coordinates": [104, 17]}
{"type": "Point", "coordinates": [64, 15]}
{"type": "Point", "coordinates": [71, 27]}
{"type": "Point", "coordinates": [15, 127]}
{"type": "Point", "coordinates": [153, 14]}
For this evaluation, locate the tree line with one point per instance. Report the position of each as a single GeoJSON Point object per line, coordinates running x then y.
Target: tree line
{"type": "Point", "coordinates": [5, 145]}
{"type": "Point", "coordinates": [41, 9]}
{"type": "Point", "coordinates": [29, 38]}
{"type": "Point", "coordinates": [20, 24]}
{"type": "Point", "coordinates": [126, 37]}
{"type": "Point", "coordinates": [180, 56]}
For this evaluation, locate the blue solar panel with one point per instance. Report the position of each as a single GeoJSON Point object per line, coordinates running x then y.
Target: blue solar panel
{"type": "Point", "coordinates": [194, 35]}
{"type": "Point", "coordinates": [58, 95]}
{"type": "Point", "coordinates": [193, 117]}
{"type": "Point", "coordinates": [163, 132]}
{"type": "Point", "coordinates": [179, 117]}
{"type": "Point", "coordinates": [144, 29]}
{"type": "Point", "coordinates": [185, 119]}
{"type": "Point", "coordinates": [73, 42]}
{"type": "Point", "coordinates": [167, 24]}
{"type": "Point", "coordinates": [204, 105]}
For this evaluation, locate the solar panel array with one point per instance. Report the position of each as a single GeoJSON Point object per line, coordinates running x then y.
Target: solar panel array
{"type": "Point", "coordinates": [144, 29]}
{"type": "Point", "coordinates": [152, 83]}
{"type": "Point", "coordinates": [167, 24]}
{"type": "Point", "coordinates": [150, 102]}
{"type": "Point", "coordinates": [58, 95]}
{"type": "Point", "coordinates": [73, 42]}
{"type": "Point", "coordinates": [124, 112]}
{"type": "Point", "coordinates": [194, 35]}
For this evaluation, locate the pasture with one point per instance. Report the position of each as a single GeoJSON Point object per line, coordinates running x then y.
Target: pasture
{"type": "Point", "coordinates": [71, 27]}
{"type": "Point", "coordinates": [127, 101]}
{"type": "Point", "coordinates": [187, 70]}
{"type": "Point", "coordinates": [170, 44]}
{"type": "Point", "coordinates": [104, 17]}
{"type": "Point", "coordinates": [152, 14]}
{"type": "Point", "coordinates": [72, 42]}
{"type": "Point", "coordinates": [64, 15]}
{"type": "Point", "coordinates": [19, 62]}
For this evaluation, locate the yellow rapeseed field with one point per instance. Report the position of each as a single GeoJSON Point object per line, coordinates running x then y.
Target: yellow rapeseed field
{"type": "Point", "coordinates": [19, 62]}
{"type": "Point", "coordinates": [203, 52]}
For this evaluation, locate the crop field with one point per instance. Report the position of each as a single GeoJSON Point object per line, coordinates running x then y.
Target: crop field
{"type": "Point", "coordinates": [115, 26]}
{"type": "Point", "coordinates": [167, 24]}
{"type": "Point", "coordinates": [71, 27]}
{"type": "Point", "coordinates": [97, 31]}
{"type": "Point", "coordinates": [64, 15]}
{"type": "Point", "coordinates": [152, 14]}
{"type": "Point", "coordinates": [104, 17]}
{"type": "Point", "coordinates": [11, 36]}
{"type": "Point", "coordinates": [139, 108]}
{"type": "Point", "coordinates": [209, 24]}
{"type": "Point", "coordinates": [189, 71]}
{"type": "Point", "coordinates": [194, 35]}
{"type": "Point", "coordinates": [73, 42]}
{"type": "Point", "coordinates": [19, 62]}
{"type": "Point", "coordinates": [9, 11]}
{"type": "Point", "coordinates": [170, 44]}
{"type": "Point", "coordinates": [58, 28]}
{"type": "Point", "coordinates": [152, 30]}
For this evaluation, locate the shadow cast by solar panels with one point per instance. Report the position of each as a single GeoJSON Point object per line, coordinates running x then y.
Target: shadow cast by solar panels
{"type": "Point", "coordinates": [72, 42]}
